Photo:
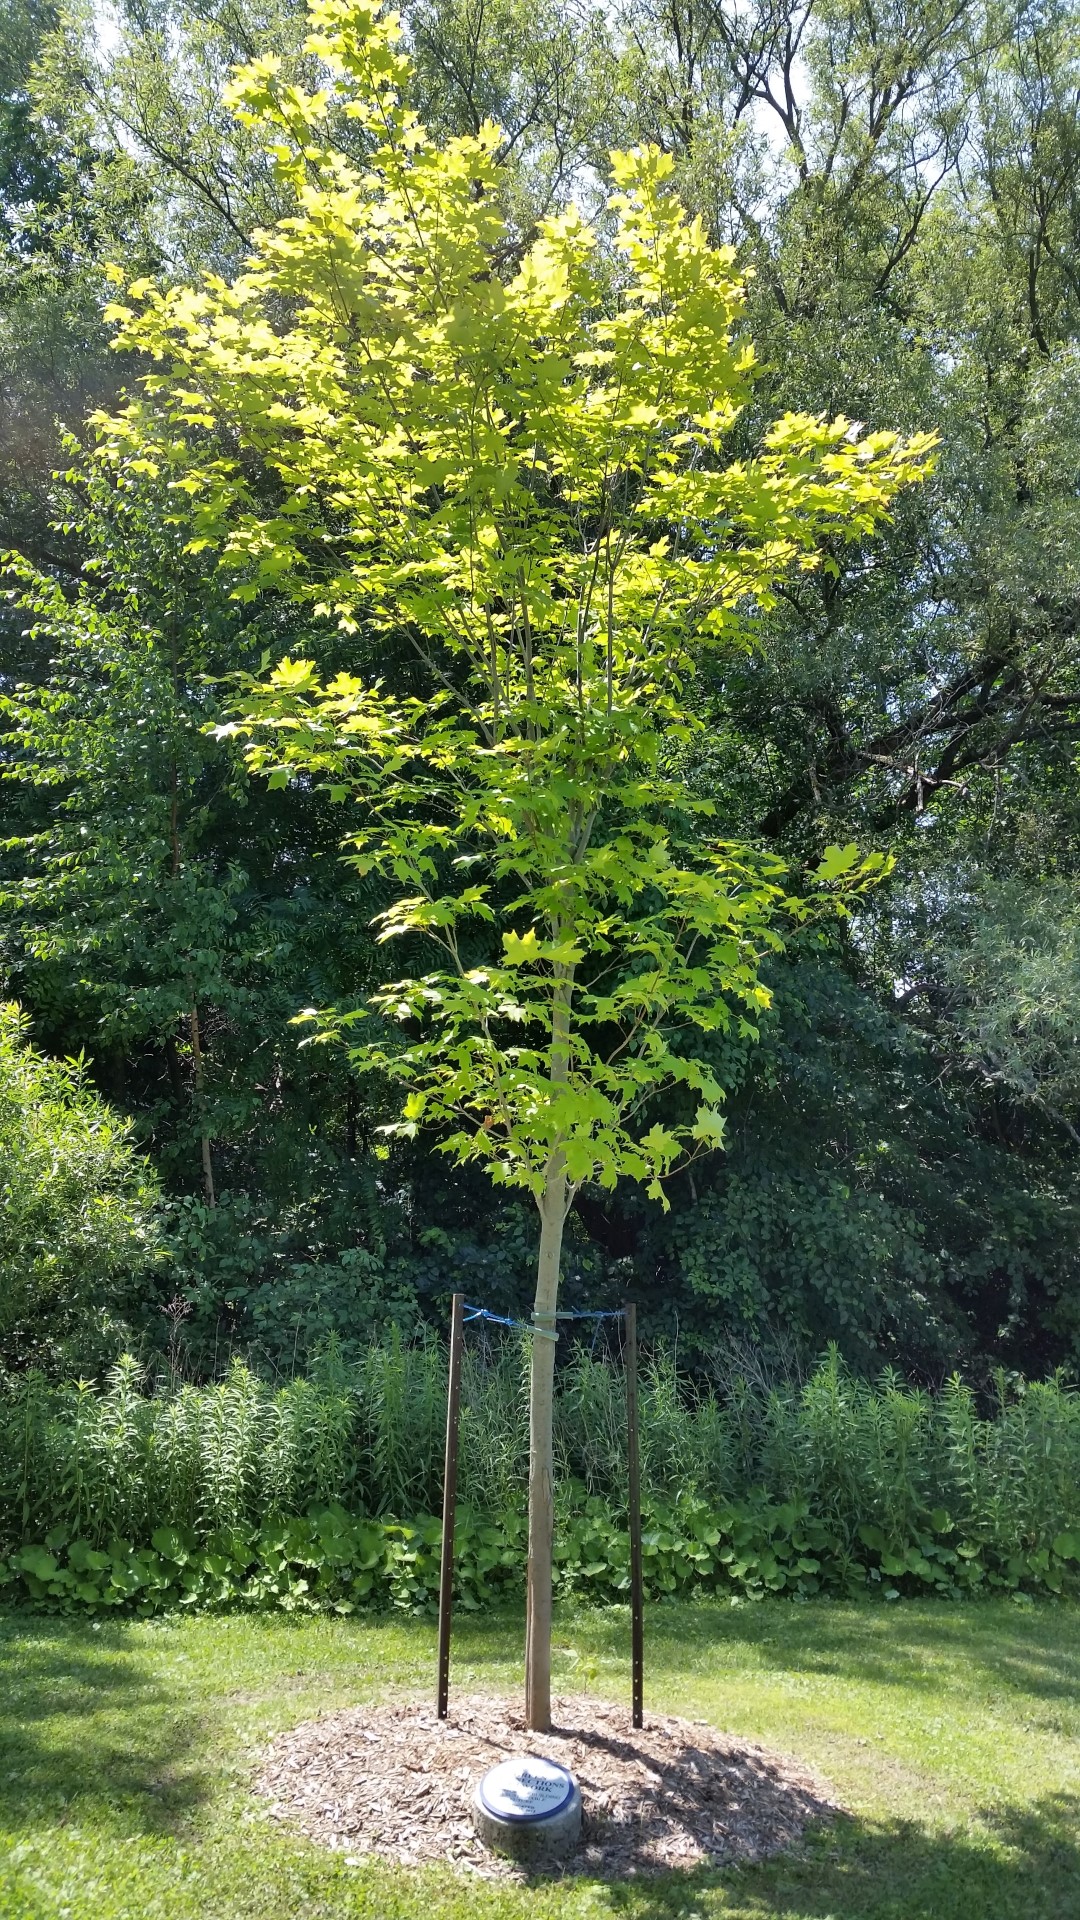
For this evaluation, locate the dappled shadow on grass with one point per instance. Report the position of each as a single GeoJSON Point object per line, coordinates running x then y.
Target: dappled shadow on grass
{"type": "Point", "coordinates": [109, 1728]}
{"type": "Point", "coordinates": [1035, 1651]}
{"type": "Point", "coordinates": [89, 1734]}
{"type": "Point", "coordinates": [1024, 1866]}
{"type": "Point", "coordinates": [999, 1645]}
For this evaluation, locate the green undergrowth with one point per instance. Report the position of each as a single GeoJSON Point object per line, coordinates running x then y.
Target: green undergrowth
{"type": "Point", "coordinates": [320, 1494]}
{"type": "Point", "coordinates": [331, 1560]}
{"type": "Point", "coordinates": [951, 1735]}
{"type": "Point", "coordinates": [121, 1458]}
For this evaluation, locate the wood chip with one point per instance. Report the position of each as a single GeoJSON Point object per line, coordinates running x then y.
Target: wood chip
{"type": "Point", "coordinates": [673, 1794]}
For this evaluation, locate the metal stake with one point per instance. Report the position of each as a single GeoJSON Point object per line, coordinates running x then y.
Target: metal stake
{"type": "Point", "coordinates": [637, 1633]}
{"type": "Point", "coordinates": [446, 1565]}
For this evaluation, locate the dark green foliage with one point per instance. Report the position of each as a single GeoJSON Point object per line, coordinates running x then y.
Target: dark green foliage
{"type": "Point", "coordinates": [279, 1282]}
{"type": "Point", "coordinates": [28, 171]}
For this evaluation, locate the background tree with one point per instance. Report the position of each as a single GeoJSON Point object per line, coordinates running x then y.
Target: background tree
{"type": "Point", "coordinates": [160, 916]}
{"type": "Point", "coordinates": [529, 477]}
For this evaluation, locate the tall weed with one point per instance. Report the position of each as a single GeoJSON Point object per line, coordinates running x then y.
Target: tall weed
{"type": "Point", "coordinates": [869, 1461]}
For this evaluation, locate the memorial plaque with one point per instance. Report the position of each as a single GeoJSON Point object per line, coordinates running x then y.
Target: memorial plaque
{"type": "Point", "coordinates": [526, 1788]}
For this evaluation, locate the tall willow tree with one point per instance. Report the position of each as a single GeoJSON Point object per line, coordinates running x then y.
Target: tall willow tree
{"type": "Point", "coordinates": [522, 469]}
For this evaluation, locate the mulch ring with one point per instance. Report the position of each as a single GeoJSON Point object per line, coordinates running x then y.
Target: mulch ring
{"type": "Point", "coordinates": [396, 1782]}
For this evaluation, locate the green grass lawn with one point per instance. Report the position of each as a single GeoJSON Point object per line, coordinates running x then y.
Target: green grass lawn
{"type": "Point", "coordinates": [950, 1732]}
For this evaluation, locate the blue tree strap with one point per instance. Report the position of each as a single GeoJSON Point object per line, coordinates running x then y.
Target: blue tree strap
{"type": "Point", "coordinates": [501, 1320]}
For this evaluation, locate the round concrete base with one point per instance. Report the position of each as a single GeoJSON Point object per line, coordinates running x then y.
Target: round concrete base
{"type": "Point", "coordinates": [534, 1843]}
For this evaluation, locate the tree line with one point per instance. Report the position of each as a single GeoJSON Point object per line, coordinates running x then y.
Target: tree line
{"type": "Point", "coordinates": [899, 184]}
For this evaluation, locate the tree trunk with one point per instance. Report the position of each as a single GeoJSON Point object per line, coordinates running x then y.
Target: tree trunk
{"type": "Point", "coordinates": [542, 1381]}
{"type": "Point", "coordinates": [541, 1461]}
{"type": "Point", "coordinates": [200, 1102]}
{"type": "Point", "coordinates": [209, 1193]}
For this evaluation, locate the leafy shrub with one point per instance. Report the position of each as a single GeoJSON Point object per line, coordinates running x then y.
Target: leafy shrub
{"type": "Point", "coordinates": [329, 1560]}
{"type": "Point", "coordinates": [282, 1279]}
{"type": "Point", "coordinates": [78, 1208]}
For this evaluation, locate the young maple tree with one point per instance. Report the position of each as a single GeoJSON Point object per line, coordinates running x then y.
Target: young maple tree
{"type": "Point", "coordinates": [519, 465]}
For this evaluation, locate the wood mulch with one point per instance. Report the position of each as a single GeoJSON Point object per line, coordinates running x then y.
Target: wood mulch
{"type": "Point", "coordinates": [396, 1782]}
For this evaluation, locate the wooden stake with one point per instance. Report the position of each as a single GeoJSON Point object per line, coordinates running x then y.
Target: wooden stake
{"type": "Point", "coordinates": [637, 1625]}
{"type": "Point", "coordinates": [449, 1504]}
